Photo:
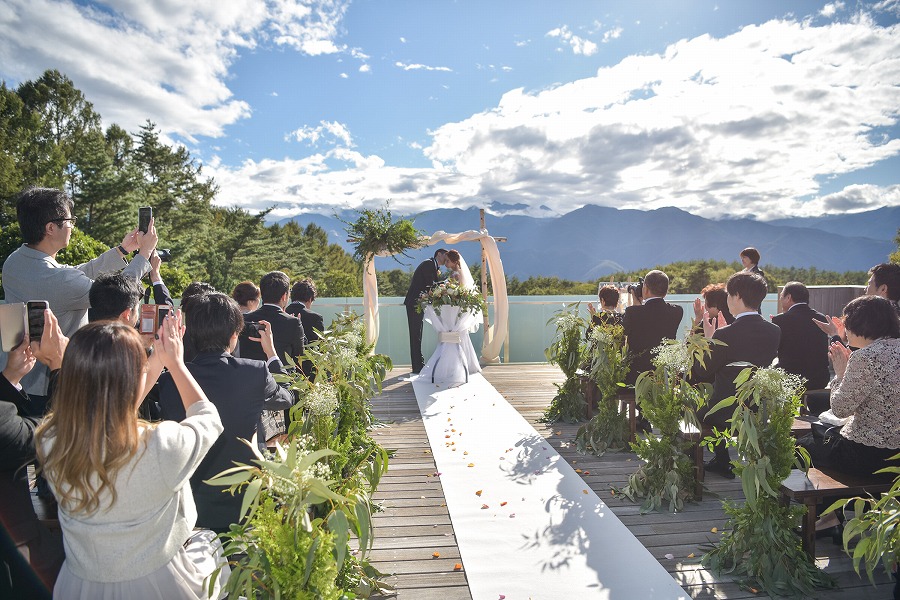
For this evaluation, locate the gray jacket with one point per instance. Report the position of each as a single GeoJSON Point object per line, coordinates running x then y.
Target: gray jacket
{"type": "Point", "coordinates": [29, 274]}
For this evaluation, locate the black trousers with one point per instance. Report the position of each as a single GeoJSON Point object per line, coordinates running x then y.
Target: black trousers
{"type": "Point", "coordinates": [415, 320]}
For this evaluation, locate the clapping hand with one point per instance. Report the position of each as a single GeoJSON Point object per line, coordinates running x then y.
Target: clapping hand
{"type": "Point", "coordinates": [710, 326]}
{"type": "Point", "coordinates": [52, 345]}
{"type": "Point", "coordinates": [834, 326]}
{"type": "Point", "coordinates": [839, 355]}
{"type": "Point", "coordinates": [170, 345]}
{"type": "Point", "coordinates": [698, 309]}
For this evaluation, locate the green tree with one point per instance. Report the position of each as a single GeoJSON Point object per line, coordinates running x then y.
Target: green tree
{"type": "Point", "coordinates": [895, 257]}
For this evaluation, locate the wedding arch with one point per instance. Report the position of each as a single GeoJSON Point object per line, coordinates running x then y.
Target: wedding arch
{"type": "Point", "coordinates": [494, 335]}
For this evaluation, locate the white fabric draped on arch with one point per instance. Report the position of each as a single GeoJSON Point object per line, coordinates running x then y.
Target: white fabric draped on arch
{"type": "Point", "coordinates": [494, 335]}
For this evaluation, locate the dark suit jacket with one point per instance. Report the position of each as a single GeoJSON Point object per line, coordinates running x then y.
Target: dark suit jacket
{"type": "Point", "coordinates": [750, 339]}
{"type": "Point", "coordinates": [646, 325]}
{"type": "Point", "coordinates": [312, 322]}
{"type": "Point", "coordinates": [803, 349]}
{"type": "Point", "coordinates": [423, 278]}
{"type": "Point", "coordinates": [241, 389]}
{"type": "Point", "coordinates": [287, 333]}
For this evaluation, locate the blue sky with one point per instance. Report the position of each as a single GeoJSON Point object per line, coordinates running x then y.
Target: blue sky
{"type": "Point", "coordinates": [760, 109]}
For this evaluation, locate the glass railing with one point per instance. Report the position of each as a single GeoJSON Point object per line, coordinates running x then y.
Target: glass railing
{"type": "Point", "coordinates": [529, 332]}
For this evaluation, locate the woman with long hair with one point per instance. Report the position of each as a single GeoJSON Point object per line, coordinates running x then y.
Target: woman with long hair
{"type": "Point", "coordinates": [125, 503]}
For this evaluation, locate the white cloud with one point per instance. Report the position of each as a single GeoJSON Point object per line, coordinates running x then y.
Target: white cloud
{"type": "Point", "coordinates": [750, 124]}
{"type": "Point", "coordinates": [157, 59]}
{"type": "Point", "coordinates": [344, 76]}
{"type": "Point", "coordinates": [420, 67]}
{"type": "Point", "coordinates": [521, 43]}
{"type": "Point", "coordinates": [579, 45]}
{"type": "Point", "coordinates": [612, 34]}
{"type": "Point", "coordinates": [829, 10]}
{"type": "Point", "coordinates": [402, 40]}
{"type": "Point", "coordinates": [331, 130]}
{"type": "Point", "coordinates": [365, 69]}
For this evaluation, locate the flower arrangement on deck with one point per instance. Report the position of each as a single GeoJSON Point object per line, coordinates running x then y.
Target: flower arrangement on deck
{"type": "Point", "coordinates": [760, 544]}
{"type": "Point", "coordinates": [667, 399]}
{"type": "Point", "coordinates": [608, 365]}
{"type": "Point", "coordinates": [308, 505]}
{"type": "Point", "coordinates": [568, 351]}
{"type": "Point", "coordinates": [450, 293]}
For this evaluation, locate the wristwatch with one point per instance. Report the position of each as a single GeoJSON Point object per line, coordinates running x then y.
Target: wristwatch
{"type": "Point", "coordinates": [122, 250]}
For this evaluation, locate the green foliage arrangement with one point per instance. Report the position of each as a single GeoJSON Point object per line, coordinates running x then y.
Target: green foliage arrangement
{"type": "Point", "coordinates": [874, 522]}
{"type": "Point", "coordinates": [451, 293]}
{"type": "Point", "coordinates": [567, 350]}
{"type": "Point", "coordinates": [761, 545]}
{"type": "Point", "coordinates": [375, 231]}
{"type": "Point", "coordinates": [608, 429]}
{"type": "Point", "coordinates": [306, 503]}
{"type": "Point", "coordinates": [665, 397]}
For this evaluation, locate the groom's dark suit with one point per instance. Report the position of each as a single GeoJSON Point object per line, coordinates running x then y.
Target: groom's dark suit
{"type": "Point", "coordinates": [425, 275]}
{"type": "Point", "coordinates": [645, 327]}
{"type": "Point", "coordinates": [804, 347]}
{"type": "Point", "coordinates": [287, 333]}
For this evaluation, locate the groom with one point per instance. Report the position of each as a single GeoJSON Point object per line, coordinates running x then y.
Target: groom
{"type": "Point", "coordinates": [425, 276]}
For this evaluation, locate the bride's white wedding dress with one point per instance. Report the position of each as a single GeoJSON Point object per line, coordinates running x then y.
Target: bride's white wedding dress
{"type": "Point", "coordinates": [454, 359]}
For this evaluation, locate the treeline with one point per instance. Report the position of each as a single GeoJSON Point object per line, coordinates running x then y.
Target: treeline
{"type": "Point", "coordinates": [686, 277]}
{"type": "Point", "coordinates": [51, 136]}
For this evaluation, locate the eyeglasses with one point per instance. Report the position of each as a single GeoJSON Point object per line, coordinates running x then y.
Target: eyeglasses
{"type": "Point", "coordinates": [71, 220]}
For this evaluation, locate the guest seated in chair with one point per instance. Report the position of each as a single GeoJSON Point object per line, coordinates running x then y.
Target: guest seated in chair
{"type": "Point", "coordinates": [240, 388]}
{"type": "Point", "coordinates": [607, 315]}
{"type": "Point", "coordinates": [750, 339]}
{"type": "Point", "coordinates": [714, 301]}
{"type": "Point", "coordinates": [866, 391]}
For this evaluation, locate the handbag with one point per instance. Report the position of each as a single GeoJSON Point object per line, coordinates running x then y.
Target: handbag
{"type": "Point", "coordinates": [822, 441]}
{"type": "Point", "coordinates": [272, 424]}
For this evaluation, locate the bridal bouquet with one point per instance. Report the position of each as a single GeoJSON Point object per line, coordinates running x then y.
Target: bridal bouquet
{"type": "Point", "coordinates": [451, 293]}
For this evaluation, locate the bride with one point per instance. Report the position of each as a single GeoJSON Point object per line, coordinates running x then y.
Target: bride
{"type": "Point", "coordinates": [459, 270]}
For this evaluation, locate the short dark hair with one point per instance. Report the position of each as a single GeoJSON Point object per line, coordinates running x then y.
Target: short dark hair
{"type": "Point", "coordinates": [657, 282]}
{"type": "Point", "coordinates": [304, 291]}
{"type": "Point", "coordinates": [245, 292]}
{"type": "Point", "coordinates": [608, 295]}
{"type": "Point", "coordinates": [887, 274]}
{"type": "Point", "coordinates": [273, 286]}
{"type": "Point", "coordinates": [36, 206]}
{"type": "Point", "coordinates": [192, 291]}
{"type": "Point", "coordinates": [751, 253]}
{"type": "Point", "coordinates": [440, 251]}
{"type": "Point", "coordinates": [113, 293]}
{"type": "Point", "coordinates": [751, 288]}
{"type": "Point", "coordinates": [872, 317]}
{"type": "Point", "coordinates": [215, 318]}
{"type": "Point", "coordinates": [796, 290]}
{"type": "Point", "coordinates": [715, 296]}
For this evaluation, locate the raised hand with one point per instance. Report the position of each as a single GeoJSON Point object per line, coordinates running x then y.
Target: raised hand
{"type": "Point", "coordinates": [147, 241]}
{"type": "Point", "coordinates": [834, 326]}
{"type": "Point", "coordinates": [19, 362]}
{"type": "Point", "coordinates": [709, 328]}
{"type": "Point", "coordinates": [170, 345]}
{"type": "Point", "coordinates": [265, 338]}
{"type": "Point", "coordinates": [698, 309]}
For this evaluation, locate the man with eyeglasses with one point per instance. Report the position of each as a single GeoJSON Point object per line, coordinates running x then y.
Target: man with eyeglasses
{"type": "Point", "coordinates": [32, 273]}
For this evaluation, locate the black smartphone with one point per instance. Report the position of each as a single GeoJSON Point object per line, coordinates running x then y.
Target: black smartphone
{"type": "Point", "coordinates": [145, 213]}
{"type": "Point", "coordinates": [36, 310]}
{"type": "Point", "coordinates": [163, 312]}
{"type": "Point", "coordinates": [251, 329]}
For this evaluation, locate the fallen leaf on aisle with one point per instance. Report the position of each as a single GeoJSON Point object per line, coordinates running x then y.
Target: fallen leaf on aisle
{"type": "Point", "coordinates": [691, 555]}
{"type": "Point", "coordinates": [436, 555]}
{"type": "Point", "coordinates": [715, 530]}
{"type": "Point", "coordinates": [478, 493]}
{"type": "Point", "coordinates": [503, 503]}
{"type": "Point", "coordinates": [484, 506]}
{"type": "Point", "coordinates": [670, 556]}
{"type": "Point", "coordinates": [457, 567]}
{"type": "Point", "coordinates": [471, 464]}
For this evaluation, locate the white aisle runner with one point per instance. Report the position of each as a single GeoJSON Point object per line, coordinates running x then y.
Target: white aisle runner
{"type": "Point", "coordinates": [526, 524]}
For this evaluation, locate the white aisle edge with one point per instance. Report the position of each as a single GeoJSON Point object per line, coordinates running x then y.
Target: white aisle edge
{"type": "Point", "coordinates": [536, 531]}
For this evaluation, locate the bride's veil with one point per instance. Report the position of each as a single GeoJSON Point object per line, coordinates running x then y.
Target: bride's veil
{"type": "Point", "coordinates": [465, 275]}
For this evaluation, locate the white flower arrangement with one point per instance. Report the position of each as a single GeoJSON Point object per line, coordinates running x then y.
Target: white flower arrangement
{"type": "Point", "coordinates": [673, 357]}
{"type": "Point", "coordinates": [322, 399]}
{"type": "Point", "coordinates": [451, 293]}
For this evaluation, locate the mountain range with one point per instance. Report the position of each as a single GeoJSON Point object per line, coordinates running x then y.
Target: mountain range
{"type": "Point", "coordinates": [594, 241]}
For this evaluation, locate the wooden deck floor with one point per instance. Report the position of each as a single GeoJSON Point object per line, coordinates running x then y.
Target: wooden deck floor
{"type": "Point", "coordinates": [415, 522]}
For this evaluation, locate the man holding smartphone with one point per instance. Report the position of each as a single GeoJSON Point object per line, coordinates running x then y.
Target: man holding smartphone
{"type": "Point", "coordinates": [46, 220]}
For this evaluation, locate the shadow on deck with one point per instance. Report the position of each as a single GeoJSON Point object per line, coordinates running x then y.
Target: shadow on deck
{"type": "Point", "coordinates": [415, 523]}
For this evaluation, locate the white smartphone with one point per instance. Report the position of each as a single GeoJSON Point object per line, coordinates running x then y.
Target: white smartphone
{"type": "Point", "coordinates": [13, 324]}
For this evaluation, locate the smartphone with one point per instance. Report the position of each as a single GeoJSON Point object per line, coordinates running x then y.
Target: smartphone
{"type": "Point", "coordinates": [251, 329]}
{"type": "Point", "coordinates": [162, 312]}
{"type": "Point", "coordinates": [36, 310]}
{"type": "Point", "coordinates": [145, 213]}
{"type": "Point", "coordinates": [13, 325]}
{"type": "Point", "coordinates": [149, 319]}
